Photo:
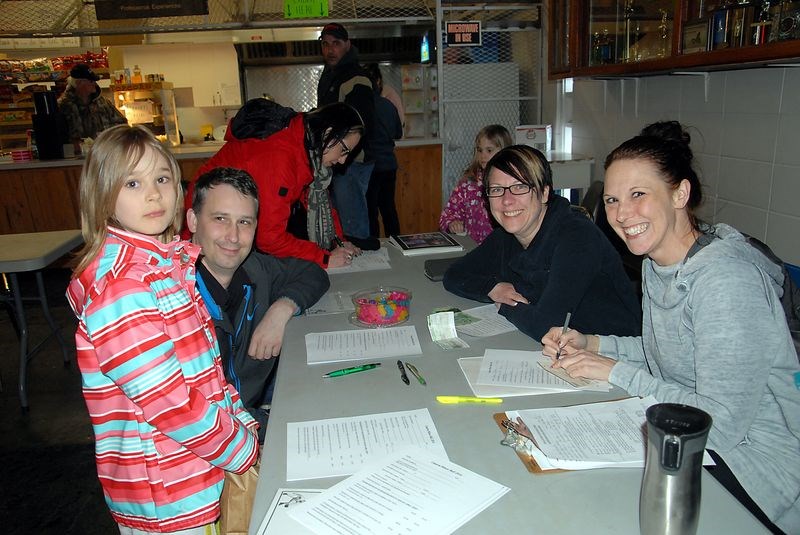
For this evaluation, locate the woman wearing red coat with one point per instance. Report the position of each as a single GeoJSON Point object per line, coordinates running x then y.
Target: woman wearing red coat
{"type": "Point", "coordinates": [291, 166]}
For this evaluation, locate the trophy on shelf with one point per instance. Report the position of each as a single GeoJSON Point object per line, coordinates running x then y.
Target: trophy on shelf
{"type": "Point", "coordinates": [759, 31]}
{"type": "Point", "coordinates": [628, 12]}
{"type": "Point", "coordinates": [664, 34]}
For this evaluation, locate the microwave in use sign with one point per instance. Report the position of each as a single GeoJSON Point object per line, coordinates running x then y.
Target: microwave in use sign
{"type": "Point", "coordinates": [463, 33]}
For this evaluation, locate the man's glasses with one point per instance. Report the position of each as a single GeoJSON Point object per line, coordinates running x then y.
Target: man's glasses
{"type": "Point", "coordinates": [345, 149]}
{"type": "Point", "coordinates": [515, 189]}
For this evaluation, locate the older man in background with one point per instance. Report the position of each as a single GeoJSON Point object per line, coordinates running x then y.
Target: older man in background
{"type": "Point", "coordinates": [85, 110]}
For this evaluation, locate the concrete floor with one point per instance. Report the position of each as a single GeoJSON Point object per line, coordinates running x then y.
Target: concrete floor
{"type": "Point", "coordinates": [48, 480]}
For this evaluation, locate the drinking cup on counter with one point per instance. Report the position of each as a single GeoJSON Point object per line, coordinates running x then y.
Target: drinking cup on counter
{"type": "Point", "coordinates": [21, 155]}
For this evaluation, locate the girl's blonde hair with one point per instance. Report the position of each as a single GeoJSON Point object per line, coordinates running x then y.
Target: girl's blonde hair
{"type": "Point", "coordinates": [497, 135]}
{"type": "Point", "coordinates": [110, 161]}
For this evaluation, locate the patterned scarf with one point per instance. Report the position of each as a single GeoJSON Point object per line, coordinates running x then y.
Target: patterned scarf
{"type": "Point", "coordinates": [320, 220]}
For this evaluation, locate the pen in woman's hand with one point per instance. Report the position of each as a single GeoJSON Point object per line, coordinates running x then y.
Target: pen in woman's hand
{"type": "Point", "coordinates": [563, 332]}
{"type": "Point", "coordinates": [339, 244]}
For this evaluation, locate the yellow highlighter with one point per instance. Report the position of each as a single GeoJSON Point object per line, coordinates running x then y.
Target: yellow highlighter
{"type": "Point", "coordinates": [449, 400]}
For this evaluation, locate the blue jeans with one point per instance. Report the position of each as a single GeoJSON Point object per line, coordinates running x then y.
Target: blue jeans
{"type": "Point", "coordinates": [350, 198]}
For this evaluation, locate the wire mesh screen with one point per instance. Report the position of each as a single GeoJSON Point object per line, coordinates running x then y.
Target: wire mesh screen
{"type": "Point", "coordinates": [290, 85]}
{"type": "Point", "coordinates": [296, 85]}
{"type": "Point", "coordinates": [496, 83]}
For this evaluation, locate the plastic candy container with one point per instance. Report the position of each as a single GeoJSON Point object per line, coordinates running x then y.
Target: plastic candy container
{"type": "Point", "coordinates": [382, 306]}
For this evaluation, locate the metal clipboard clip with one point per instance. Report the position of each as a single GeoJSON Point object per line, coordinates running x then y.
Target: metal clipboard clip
{"type": "Point", "coordinates": [518, 436]}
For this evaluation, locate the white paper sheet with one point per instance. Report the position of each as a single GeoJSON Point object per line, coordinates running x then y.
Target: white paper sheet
{"type": "Point", "coordinates": [489, 323]}
{"type": "Point", "coordinates": [338, 346]}
{"type": "Point", "coordinates": [506, 367]}
{"type": "Point", "coordinates": [593, 435]}
{"type": "Point", "coordinates": [366, 261]}
{"type": "Point", "coordinates": [409, 492]}
{"type": "Point", "coordinates": [340, 446]}
{"type": "Point", "coordinates": [332, 303]}
{"type": "Point", "coordinates": [277, 520]}
{"type": "Point", "coordinates": [471, 366]}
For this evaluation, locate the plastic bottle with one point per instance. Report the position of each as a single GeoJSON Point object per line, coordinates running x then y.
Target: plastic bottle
{"type": "Point", "coordinates": [31, 139]}
{"type": "Point", "coordinates": [137, 75]}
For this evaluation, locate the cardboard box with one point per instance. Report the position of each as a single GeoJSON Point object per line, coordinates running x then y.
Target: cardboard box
{"type": "Point", "coordinates": [538, 136]}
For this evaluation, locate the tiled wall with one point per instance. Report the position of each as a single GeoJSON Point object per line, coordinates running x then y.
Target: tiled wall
{"type": "Point", "coordinates": [745, 137]}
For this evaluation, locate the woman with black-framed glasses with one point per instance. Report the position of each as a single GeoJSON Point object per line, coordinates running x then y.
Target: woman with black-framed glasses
{"type": "Point", "coordinates": [290, 157]}
{"type": "Point", "coordinates": [545, 260]}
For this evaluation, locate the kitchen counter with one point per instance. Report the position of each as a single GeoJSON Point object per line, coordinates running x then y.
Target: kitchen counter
{"type": "Point", "coordinates": [186, 151]}
{"type": "Point", "coordinates": [181, 152]}
{"type": "Point", "coordinates": [42, 195]}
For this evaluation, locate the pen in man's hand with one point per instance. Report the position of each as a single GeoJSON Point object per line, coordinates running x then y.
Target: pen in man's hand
{"type": "Point", "coordinates": [563, 332]}
{"type": "Point", "coordinates": [403, 375]}
{"type": "Point", "coordinates": [338, 241]}
{"type": "Point", "coordinates": [354, 369]}
{"type": "Point", "coordinates": [413, 369]}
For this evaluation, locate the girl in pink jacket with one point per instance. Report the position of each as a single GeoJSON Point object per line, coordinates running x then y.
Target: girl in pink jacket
{"type": "Point", "coordinates": [466, 211]}
{"type": "Point", "coordinates": [166, 423]}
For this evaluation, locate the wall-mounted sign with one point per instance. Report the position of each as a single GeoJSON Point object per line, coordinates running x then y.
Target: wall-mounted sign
{"type": "Point", "coordinates": [145, 9]}
{"type": "Point", "coordinates": [463, 33]}
{"type": "Point", "coordinates": [305, 9]}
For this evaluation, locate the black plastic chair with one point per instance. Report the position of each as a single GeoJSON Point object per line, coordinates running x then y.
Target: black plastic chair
{"type": "Point", "coordinates": [592, 200]}
{"type": "Point", "coordinates": [593, 204]}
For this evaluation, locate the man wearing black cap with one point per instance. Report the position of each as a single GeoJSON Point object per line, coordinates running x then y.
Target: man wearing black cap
{"type": "Point", "coordinates": [86, 112]}
{"type": "Point", "coordinates": [343, 80]}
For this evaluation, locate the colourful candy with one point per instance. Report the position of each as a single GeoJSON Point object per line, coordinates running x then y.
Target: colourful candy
{"type": "Point", "coordinates": [377, 307]}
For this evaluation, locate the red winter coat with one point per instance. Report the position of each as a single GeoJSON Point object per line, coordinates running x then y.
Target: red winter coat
{"type": "Point", "coordinates": [280, 167]}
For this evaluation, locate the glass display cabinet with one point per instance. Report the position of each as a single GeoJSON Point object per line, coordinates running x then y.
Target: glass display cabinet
{"type": "Point", "coordinates": [623, 32]}
{"type": "Point", "coordinates": [600, 38]}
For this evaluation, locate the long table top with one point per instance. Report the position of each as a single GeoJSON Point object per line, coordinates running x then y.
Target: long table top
{"type": "Point", "coordinates": [596, 501]}
{"type": "Point", "coordinates": [30, 251]}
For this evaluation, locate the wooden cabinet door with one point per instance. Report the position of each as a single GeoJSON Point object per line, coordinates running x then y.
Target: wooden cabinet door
{"type": "Point", "coordinates": [418, 195]}
{"type": "Point", "coordinates": [38, 200]}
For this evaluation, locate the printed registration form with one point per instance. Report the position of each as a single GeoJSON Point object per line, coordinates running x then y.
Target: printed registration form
{"type": "Point", "coordinates": [340, 446]}
{"type": "Point", "coordinates": [410, 491]}
{"type": "Point", "coordinates": [338, 346]}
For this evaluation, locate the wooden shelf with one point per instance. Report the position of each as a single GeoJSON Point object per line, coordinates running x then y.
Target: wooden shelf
{"type": "Point", "coordinates": [728, 58]}
{"type": "Point", "coordinates": [22, 106]}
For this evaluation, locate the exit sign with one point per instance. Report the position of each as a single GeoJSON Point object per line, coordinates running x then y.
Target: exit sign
{"type": "Point", "coordinates": [463, 33]}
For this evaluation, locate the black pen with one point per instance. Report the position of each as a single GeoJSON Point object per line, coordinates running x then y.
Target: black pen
{"type": "Point", "coordinates": [564, 330]}
{"type": "Point", "coordinates": [338, 241]}
{"type": "Point", "coordinates": [403, 375]}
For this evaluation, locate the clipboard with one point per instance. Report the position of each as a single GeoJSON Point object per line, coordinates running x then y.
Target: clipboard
{"type": "Point", "coordinates": [528, 462]}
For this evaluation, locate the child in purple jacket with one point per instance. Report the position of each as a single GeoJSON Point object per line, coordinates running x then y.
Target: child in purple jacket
{"type": "Point", "coordinates": [466, 211]}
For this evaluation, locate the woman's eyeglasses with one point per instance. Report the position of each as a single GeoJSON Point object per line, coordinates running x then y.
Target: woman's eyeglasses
{"type": "Point", "coordinates": [345, 149]}
{"type": "Point", "coordinates": [515, 189]}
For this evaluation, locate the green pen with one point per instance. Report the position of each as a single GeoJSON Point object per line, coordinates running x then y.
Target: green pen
{"type": "Point", "coordinates": [415, 372]}
{"type": "Point", "coordinates": [354, 369]}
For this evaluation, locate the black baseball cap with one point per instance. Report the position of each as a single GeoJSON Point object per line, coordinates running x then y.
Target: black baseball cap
{"type": "Point", "coordinates": [83, 72]}
{"type": "Point", "coordinates": [335, 29]}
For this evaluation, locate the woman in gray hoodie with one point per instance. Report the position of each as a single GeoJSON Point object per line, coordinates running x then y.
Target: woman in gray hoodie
{"type": "Point", "coordinates": [714, 335]}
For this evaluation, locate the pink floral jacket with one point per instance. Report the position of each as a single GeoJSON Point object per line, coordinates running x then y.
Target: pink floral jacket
{"type": "Point", "coordinates": [467, 204]}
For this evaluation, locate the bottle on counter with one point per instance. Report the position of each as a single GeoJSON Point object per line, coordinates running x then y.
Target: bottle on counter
{"type": "Point", "coordinates": [32, 145]}
{"type": "Point", "coordinates": [137, 75]}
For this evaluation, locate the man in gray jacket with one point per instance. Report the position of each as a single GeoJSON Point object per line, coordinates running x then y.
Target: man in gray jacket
{"type": "Point", "coordinates": [251, 296]}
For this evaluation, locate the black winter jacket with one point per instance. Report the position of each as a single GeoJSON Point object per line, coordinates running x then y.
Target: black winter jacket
{"type": "Point", "coordinates": [267, 279]}
{"type": "Point", "coordinates": [570, 266]}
